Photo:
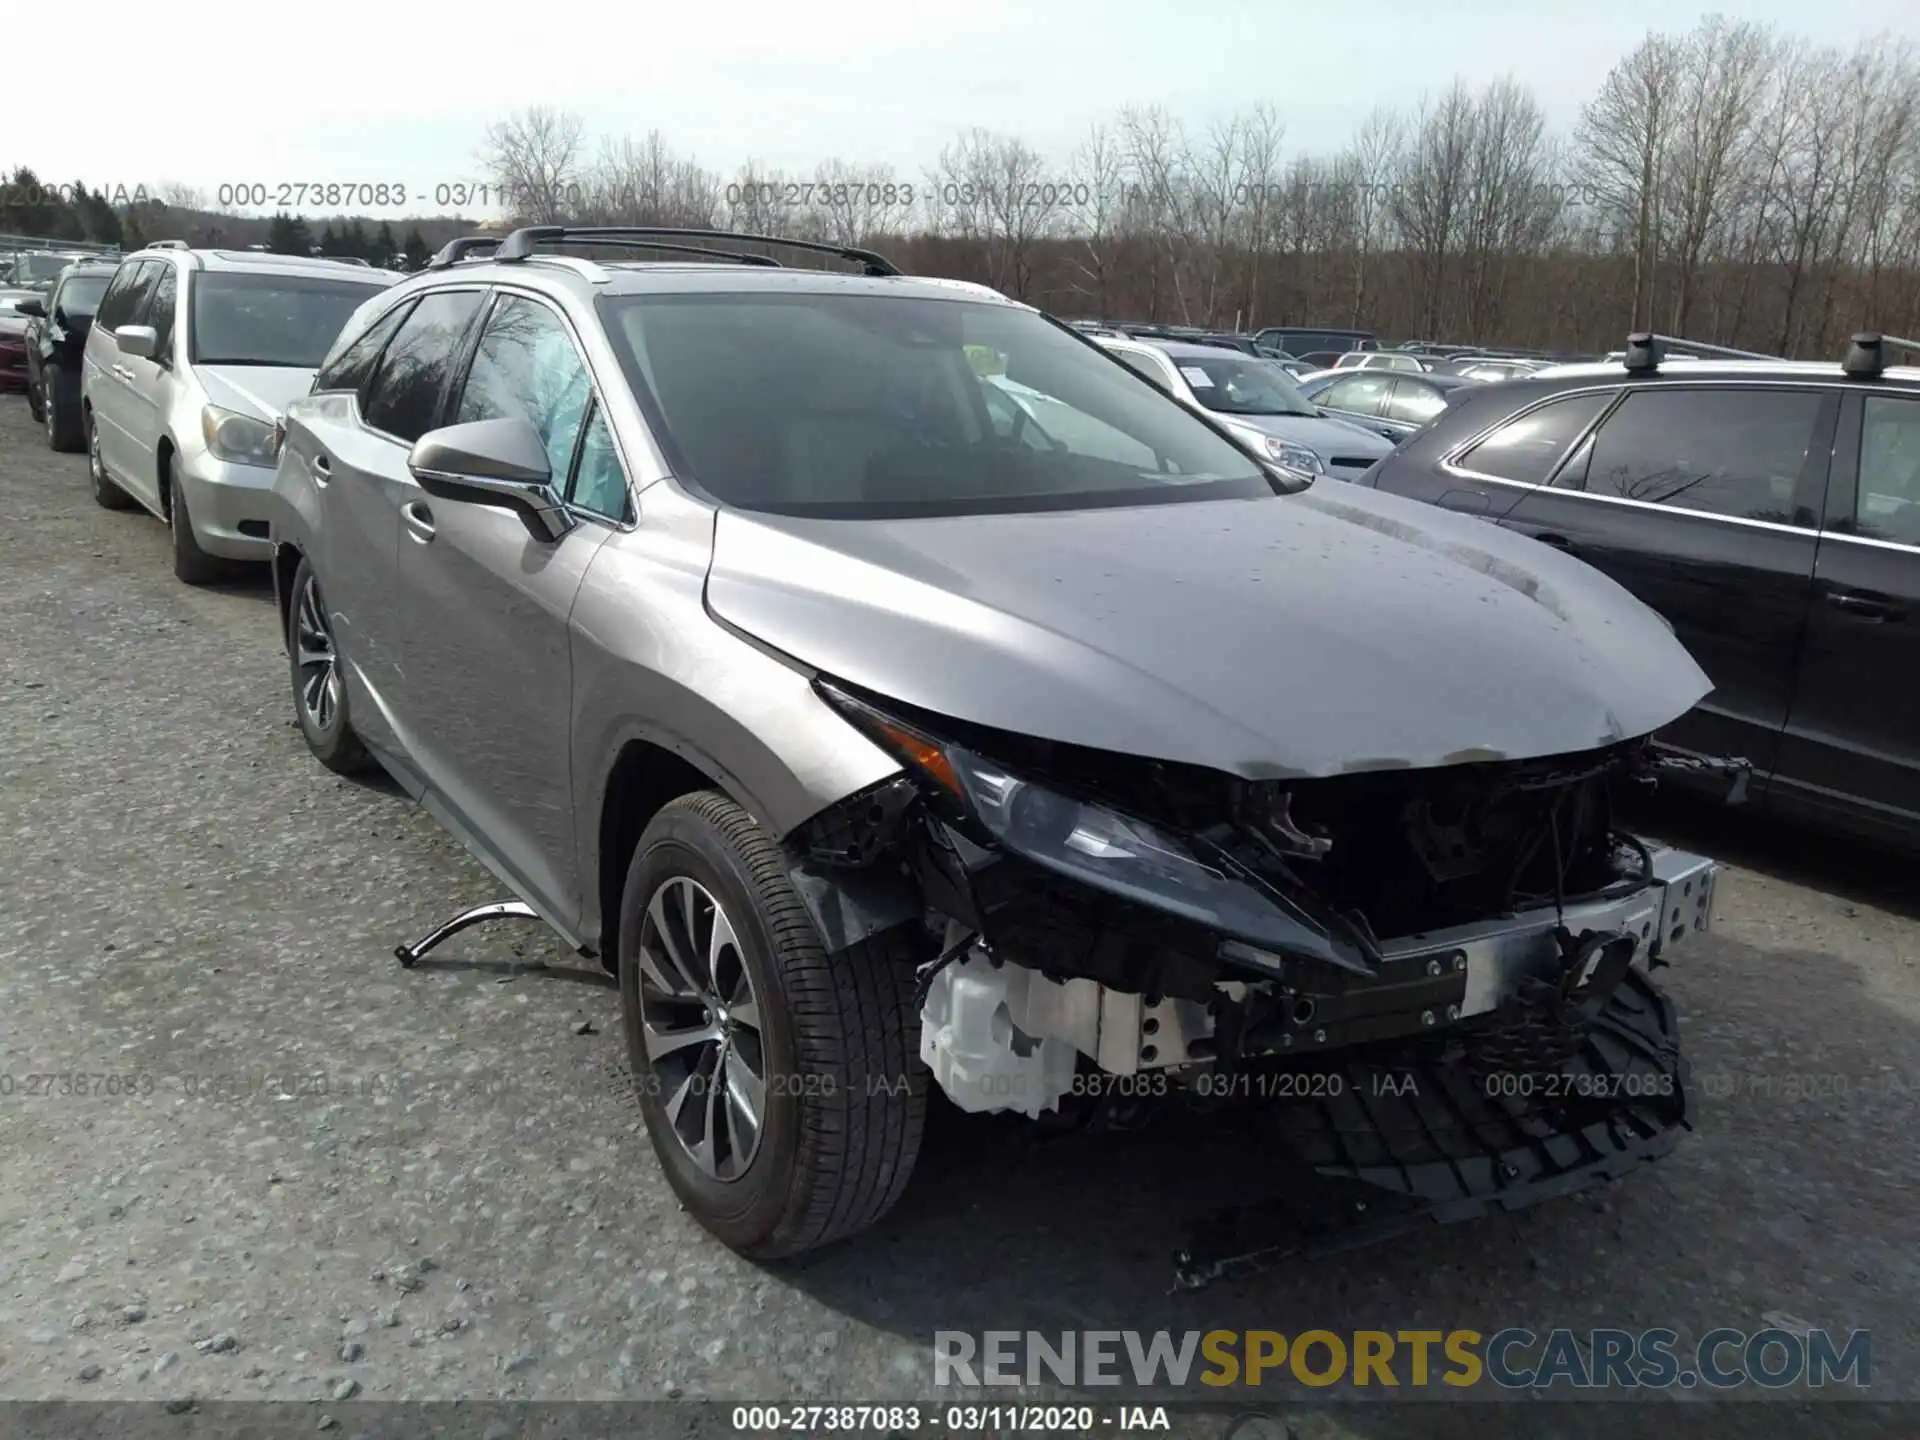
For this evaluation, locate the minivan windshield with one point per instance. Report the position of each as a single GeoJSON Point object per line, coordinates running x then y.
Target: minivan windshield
{"type": "Point", "coordinates": [865, 406]}
{"type": "Point", "coordinates": [80, 296]}
{"type": "Point", "coordinates": [1243, 387]}
{"type": "Point", "coordinates": [289, 320]}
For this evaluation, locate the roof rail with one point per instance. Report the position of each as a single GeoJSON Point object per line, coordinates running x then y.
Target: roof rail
{"type": "Point", "coordinates": [1866, 353]}
{"type": "Point", "coordinates": [620, 242]}
{"type": "Point", "coordinates": [520, 244]}
{"type": "Point", "coordinates": [1645, 350]}
{"type": "Point", "coordinates": [459, 248]}
{"type": "Point", "coordinates": [166, 245]}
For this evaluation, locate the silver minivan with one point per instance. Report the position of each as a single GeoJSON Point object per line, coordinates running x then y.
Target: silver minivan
{"type": "Point", "coordinates": [192, 358]}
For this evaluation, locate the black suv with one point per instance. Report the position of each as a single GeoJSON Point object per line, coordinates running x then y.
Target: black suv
{"type": "Point", "coordinates": [56, 338]}
{"type": "Point", "coordinates": [1770, 510]}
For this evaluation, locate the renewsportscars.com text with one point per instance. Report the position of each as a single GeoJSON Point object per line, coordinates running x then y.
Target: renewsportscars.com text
{"type": "Point", "coordinates": [1515, 1358]}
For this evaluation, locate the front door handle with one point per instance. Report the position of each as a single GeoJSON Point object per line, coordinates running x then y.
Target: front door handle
{"type": "Point", "coordinates": [419, 520]}
{"type": "Point", "coordinates": [322, 468]}
{"type": "Point", "coordinates": [1867, 607]}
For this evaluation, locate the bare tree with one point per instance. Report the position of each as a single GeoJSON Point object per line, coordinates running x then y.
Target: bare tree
{"type": "Point", "coordinates": [1625, 134]}
{"type": "Point", "coordinates": [533, 156]}
{"type": "Point", "coordinates": [1722, 73]}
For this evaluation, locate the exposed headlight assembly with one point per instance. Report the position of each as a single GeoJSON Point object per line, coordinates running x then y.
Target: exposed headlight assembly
{"type": "Point", "coordinates": [1093, 844]}
{"type": "Point", "coordinates": [235, 438]}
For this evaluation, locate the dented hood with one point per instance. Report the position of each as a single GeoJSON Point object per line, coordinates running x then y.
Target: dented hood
{"type": "Point", "coordinates": [1314, 634]}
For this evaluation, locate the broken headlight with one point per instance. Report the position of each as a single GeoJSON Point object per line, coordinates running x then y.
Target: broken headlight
{"type": "Point", "coordinates": [1081, 840]}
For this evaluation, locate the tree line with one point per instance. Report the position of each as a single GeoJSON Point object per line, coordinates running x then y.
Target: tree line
{"type": "Point", "coordinates": [1731, 183]}
{"type": "Point", "coordinates": [72, 212]}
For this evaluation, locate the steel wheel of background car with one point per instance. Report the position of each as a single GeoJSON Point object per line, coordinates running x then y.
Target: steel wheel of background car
{"type": "Point", "coordinates": [700, 1024]}
{"type": "Point", "coordinates": [832, 1041]}
{"type": "Point", "coordinates": [191, 564]}
{"type": "Point", "coordinates": [106, 494]}
{"type": "Point", "coordinates": [319, 689]}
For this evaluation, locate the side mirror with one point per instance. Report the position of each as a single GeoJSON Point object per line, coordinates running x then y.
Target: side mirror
{"type": "Point", "coordinates": [140, 341]}
{"type": "Point", "coordinates": [30, 306]}
{"type": "Point", "coordinates": [502, 463]}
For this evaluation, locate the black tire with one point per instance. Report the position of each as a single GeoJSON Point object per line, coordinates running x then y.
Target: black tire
{"type": "Point", "coordinates": [106, 494]}
{"type": "Point", "coordinates": [58, 405]}
{"type": "Point", "coordinates": [330, 737]}
{"type": "Point", "coordinates": [845, 1094]}
{"type": "Point", "coordinates": [35, 406]}
{"type": "Point", "coordinates": [191, 564]}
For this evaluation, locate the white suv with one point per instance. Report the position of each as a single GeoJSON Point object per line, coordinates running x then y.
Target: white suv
{"type": "Point", "coordinates": [192, 358]}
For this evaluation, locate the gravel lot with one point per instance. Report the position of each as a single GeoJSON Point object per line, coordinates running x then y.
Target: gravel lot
{"type": "Point", "coordinates": [336, 1180]}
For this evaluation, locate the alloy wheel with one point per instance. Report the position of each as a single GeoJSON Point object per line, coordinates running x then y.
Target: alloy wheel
{"type": "Point", "coordinates": [95, 469]}
{"type": "Point", "coordinates": [318, 688]}
{"type": "Point", "coordinates": [700, 1023]}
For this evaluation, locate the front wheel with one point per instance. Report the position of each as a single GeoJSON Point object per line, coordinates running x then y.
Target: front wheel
{"type": "Point", "coordinates": [781, 1086]}
{"type": "Point", "coordinates": [191, 564]}
{"type": "Point", "coordinates": [319, 689]}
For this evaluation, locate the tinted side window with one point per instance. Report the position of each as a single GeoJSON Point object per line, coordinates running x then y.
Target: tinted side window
{"type": "Point", "coordinates": [161, 303]}
{"type": "Point", "coordinates": [1527, 448]}
{"type": "Point", "coordinates": [119, 300]}
{"type": "Point", "coordinates": [1362, 394]}
{"type": "Point", "coordinates": [527, 368]}
{"type": "Point", "coordinates": [1414, 402]}
{"type": "Point", "coordinates": [353, 366]}
{"type": "Point", "coordinates": [404, 398]}
{"type": "Point", "coordinates": [1887, 503]}
{"type": "Point", "coordinates": [1726, 452]}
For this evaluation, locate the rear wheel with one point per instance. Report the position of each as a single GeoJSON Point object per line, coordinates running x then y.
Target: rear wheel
{"type": "Point", "coordinates": [319, 689]}
{"type": "Point", "coordinates": [781, 1086]}
{"type": "Point", "coordinates": [106, 494]}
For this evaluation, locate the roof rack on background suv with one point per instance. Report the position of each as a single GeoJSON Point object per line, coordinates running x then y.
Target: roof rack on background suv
{"type": "Point", "coordinates": [1866, 353]}
{"type": "Point", "coordinates": [166, 245]}
{"type": "Point", "coordinates": [1645, 350]}
{"type": "Point", "coordinates": [521, 244]}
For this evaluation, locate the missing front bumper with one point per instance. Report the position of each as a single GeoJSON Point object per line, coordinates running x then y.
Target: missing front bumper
{"type": "Point", "coordinates": [1386, 1147]}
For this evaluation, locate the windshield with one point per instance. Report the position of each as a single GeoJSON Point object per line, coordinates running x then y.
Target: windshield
{"type": "Point", "coordinates": [870, 406]}
{"type": "Point", "coordinates": [36, 269]}
{"type": "Point", "coordinates": [80, 296]}
{"type": "Point", "coordinates": [270, 319]}
{"type": "Point", "coordinates": [1243, 387]}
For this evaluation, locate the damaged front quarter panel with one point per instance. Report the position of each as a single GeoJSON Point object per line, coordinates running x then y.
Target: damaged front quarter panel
{"type": "Point", "coordinates": [1464, 924]}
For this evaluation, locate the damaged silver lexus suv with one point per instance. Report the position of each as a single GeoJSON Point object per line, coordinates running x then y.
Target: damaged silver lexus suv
{"type": "Point", "coordinates": [896, 690]}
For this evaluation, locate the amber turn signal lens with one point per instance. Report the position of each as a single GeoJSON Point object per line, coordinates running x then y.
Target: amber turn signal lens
{"type": "Point", "coordinates": [923, 752]}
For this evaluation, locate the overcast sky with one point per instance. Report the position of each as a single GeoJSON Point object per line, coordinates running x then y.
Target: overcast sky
{"type": "Point", "coordinates": [399, 93]}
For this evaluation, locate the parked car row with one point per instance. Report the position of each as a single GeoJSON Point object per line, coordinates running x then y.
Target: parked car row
{"type": "Point", "coordinates": [894, 688]}
{"type": "Point", "coordinates": [1769, 510]}
{"type": "Point", "coordinates": [171, 368]}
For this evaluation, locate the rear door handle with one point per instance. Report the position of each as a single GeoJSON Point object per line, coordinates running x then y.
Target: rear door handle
{"type": "Point", "coordinates": [1867, 607]}
{"type": "Point", "coordinates": [419, 520]}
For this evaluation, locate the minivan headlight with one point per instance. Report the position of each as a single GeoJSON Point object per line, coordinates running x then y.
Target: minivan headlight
{"type": "Point", "coordinates": [1294, 457]}
{"type": "Point", "coordinates": [238, 439]}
